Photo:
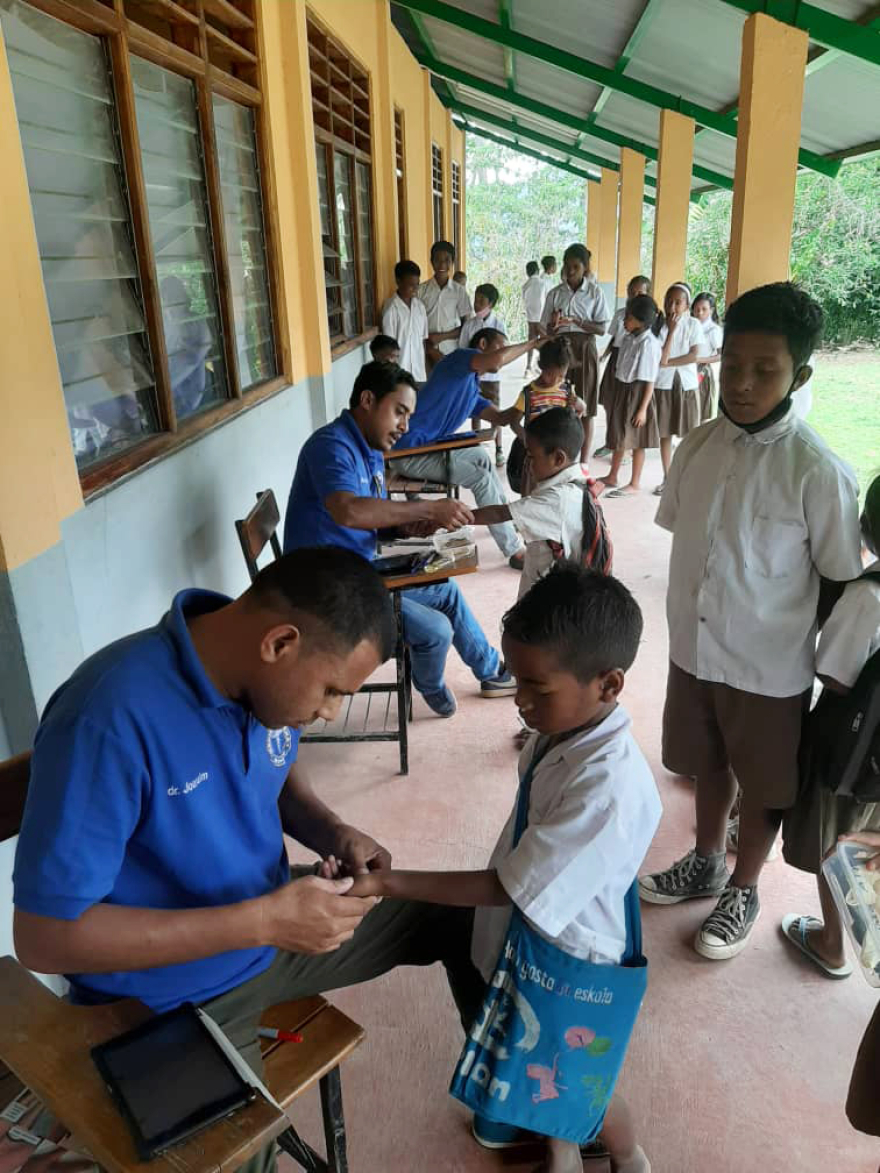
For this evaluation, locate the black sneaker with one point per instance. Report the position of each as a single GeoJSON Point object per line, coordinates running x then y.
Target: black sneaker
{"type": "Point", "coordinates": [687, 879]}
{"type": "Point", "coordinates": [725, 932]}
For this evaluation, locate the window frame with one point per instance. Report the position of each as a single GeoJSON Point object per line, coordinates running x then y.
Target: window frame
{"type": "Point", "coordinates": [400, 177]}
{"type": "Point", "coordinates": [224, 64]}
{"type": "Point", "coordinates": [335, 146]}
{"type": "Point", "coordinates": [457, 225]}
{"type": "Point", "coordinates": [438, 193]}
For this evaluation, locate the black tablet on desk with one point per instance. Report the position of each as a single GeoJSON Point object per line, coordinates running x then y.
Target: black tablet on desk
{"type": "Point", "coordinates": [170, 1078]}
{"type": "Point", "coordinates": [398, 565]}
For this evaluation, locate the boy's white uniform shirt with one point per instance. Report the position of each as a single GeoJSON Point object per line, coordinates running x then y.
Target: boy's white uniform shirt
{"type": "Point", "coordinates": [473, 326]}
{"type": "Point", "coordinates": [616, 328]}
{"type": "Point", "coordinates": [533, 293]}
{"type": "Point", "coordinates": [409, 325]}
{"type": "Point", "coordinates": [688, 333]}
{"type": "Point", "coordinates": [445, 307]}
{"type": "Point", "coordinates": [552, 512]}
{"type": "Point", "coordinates": [638, 358]}
{"type": "Point", "coordinates": [586, 303]}
{"type": "Point", "coordinates": [593, 811]}
{"type": "Point", "coordinates": [756, 521]}
{"type": "Point", "coordinates": [851, 634]}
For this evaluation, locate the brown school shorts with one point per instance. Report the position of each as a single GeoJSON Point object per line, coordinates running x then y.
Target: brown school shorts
{"type": "Point", "coordinates": [708, 727]}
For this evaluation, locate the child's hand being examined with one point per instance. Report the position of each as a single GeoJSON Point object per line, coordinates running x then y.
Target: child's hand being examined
{"type": "Point", "coordinates": [368, 884]}
{"type": "Point", "coordinates": [329, 868]}
{"type": "Point", "coordinates": [867, 839]}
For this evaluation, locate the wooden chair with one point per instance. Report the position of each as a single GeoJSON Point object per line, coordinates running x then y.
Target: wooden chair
{"type": "Point", "coordinates": [45, 1043]}
{"type": "Point", "coordinates": [357, 720]}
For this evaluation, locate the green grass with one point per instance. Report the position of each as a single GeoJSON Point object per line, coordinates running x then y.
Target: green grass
{"type": "Point", "coordinates": [846, 409]}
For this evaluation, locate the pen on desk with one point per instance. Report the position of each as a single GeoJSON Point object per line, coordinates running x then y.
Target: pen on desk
{"type": "Point", "coordinates": [280, 1036]}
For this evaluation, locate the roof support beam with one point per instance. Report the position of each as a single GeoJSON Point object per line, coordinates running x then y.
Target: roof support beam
{"type": "Point", "coordinates": [505, 19]}
{"type": "Point", "coordinates": [639, 29]}
{"type": "Point", "coordinates": [823, 27]}
{"type": "Point", "coordinates": [571, 63]}
{"type": "Point", "coordinates": [516, 146]}
{"type": "Point", "coordinates": [551, 114]}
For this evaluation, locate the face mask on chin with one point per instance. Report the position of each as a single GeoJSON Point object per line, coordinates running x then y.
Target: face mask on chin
{"type": "Point", "coordinates": [781, 409]}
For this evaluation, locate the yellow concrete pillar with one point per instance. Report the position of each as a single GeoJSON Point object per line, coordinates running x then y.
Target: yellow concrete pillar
{"type": "Point", "coordinates": [629, 237]}
{"type": "Point", "coordinates": [39, 484]}
{"type": "Point", "coordinates": [291, 131]}
{"type": "Point", "coordinates": [606, 264]}
{"type": "Point", "coordinates": [428, 97]}
{"type": "Point", "coordinates": [673, 198]}
{"type": "Point", "coordinates": [593, 218]}
{"type": "Point", "coordinates": [774, 57]}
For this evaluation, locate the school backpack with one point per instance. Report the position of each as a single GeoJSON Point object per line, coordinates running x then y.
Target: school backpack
{"type": "Point", "coordinates": [596, 552]}
{"type": "Point", "coordinates": [840, 748]}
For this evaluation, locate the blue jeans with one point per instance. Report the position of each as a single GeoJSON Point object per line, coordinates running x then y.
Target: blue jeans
{"type": "Point", "coordinates": [433, 618]}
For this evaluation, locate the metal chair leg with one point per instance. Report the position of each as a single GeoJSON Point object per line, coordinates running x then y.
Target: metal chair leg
{"type": "Point", "coordinates": [334, 1124]}
{"type": "Point", "coordinates": [292, 1143]}
{"type": "Point", "coordinates": [401, 656]}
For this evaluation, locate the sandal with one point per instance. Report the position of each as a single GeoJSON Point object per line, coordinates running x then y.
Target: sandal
{"type": "Point", "coordinates": [622, 492]}
{"type": "Point", "coordinates": [658, 492]}
{"type": "Point", "coordinates": [795, 929]}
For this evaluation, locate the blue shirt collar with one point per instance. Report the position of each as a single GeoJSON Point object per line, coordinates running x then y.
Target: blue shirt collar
{"type": "Point", "coordinates": [174, 627]}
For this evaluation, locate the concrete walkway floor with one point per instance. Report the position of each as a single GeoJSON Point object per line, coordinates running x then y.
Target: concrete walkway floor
{"type": "Point", "coordinates": [734, 1067]}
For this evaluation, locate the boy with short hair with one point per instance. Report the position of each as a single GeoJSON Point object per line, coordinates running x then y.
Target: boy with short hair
{"type": "Point", "coordinates": [548, 273]}
{"type": "Point", "coordinates": [446, 302]}
{"type": "Point", "coordinates": [593, 809]}
{"type": "Point", "coordinates": [404, 317]}
{"type": "Point", "coordinates": [560, 519]}
{"type": "Point", "coordinates": [486, 297]}
{"type": "Point", "coordinates": [533, 294]}
{"type": "Point", "coordinates": [385, 348]}
{"type": "Point", "coordinates": [763, 515]}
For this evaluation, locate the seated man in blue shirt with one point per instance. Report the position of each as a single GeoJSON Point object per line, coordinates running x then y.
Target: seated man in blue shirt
{"type": "Point", "coordinates": [339, 498]}
{"type": "Point", "coordinates": [449, 398]}
{"type": "Point", "coordinates": [151, 862]}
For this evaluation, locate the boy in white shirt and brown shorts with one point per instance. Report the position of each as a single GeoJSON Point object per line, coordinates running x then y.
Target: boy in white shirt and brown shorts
{"type": "Point", "coordinates": [762, 514]}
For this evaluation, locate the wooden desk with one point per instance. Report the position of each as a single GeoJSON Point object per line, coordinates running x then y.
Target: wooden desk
{"type": "Point", "coordinates": [469, 565]}
{"type": "Point", "coordinates": [63, 1076]}
{"type": "Point", "coordinates": [446, 447]}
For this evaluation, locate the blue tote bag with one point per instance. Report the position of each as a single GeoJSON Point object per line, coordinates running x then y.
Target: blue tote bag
{"type": "Point", "coordinates": [547, 1048]}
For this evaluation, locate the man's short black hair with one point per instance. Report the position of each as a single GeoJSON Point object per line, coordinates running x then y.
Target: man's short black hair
{"type": "Point", "coordinates": [442, 246]}
{"type": "Point", "coordinates": [589, 620]}
{"type": "Point", "coordinates": [532, 269]}
{"type": "Point", "coordinates": [555, 353]}
{"type": "Point", "coordinates": [557, 428]}
{"type": "Point", "coordinates": [643, 308]}
{"type": "Point", "coordinates": [406, 269]}
{"type": "Point", "coordinates": [487, 335]}
{"type": "Point", "coordinates": [779, 308]}
{"type": "Point", "coordinates": [381, 378]}
{"type": "Point", "coordinates": [383, 342]}
{"type": "Point", "coordinates": [548, 260]}
{"type": "Point", "coordinates": [338, 589]}
{"type": "Point", "coordinates": [489, 291]}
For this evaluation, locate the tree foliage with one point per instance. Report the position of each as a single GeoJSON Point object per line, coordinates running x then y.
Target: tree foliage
{"type": "Point", "coordinates": [518, 209]}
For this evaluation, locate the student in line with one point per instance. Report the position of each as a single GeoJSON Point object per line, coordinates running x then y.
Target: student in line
{"type": "Point", "coordinates": [560, 518]}
{"type": "Point", "coordinates": [339, 498]}
{"type": "Point", "coordinates": [450, 397]}
{"type": "Point", "coordinates": [548, 273]}
{"type": "Point", "coordinates": [592, 812]}
{"type": "Point", "coordinates": [616, 331]}
{"type": "Point", "coordinates": [705, 311]}
{"type": "Point", "coordinates": [850, 637]}
{"type": "Point", "coordinates": [550, 389]}
{"type": "Point", "coordinates": [405, 318]}
{"type": "Point", "coordinates": [533, 294]}
{"type": "Point", "coordinates": [578, 309]}
{"type": "Point", "coordinates": [675, 388]}
{"type": "Point", "coordinates": [632, 421]}
{"type": "Point", "coordinates": [384, 348]}
{"type": "Point", "coordinates": [484, 318]}
{"type": "Point", "coordinates": [446, 302]}
{"type": "Point", "coordinates": [761, 512]}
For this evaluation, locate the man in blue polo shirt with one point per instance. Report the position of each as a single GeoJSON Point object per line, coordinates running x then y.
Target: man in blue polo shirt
{"type": "Point", "coordinates": [449, 398]}
{"type": "Point", "coordinates": [338, 497]}
{"type": "Point", "coordinates": [151, 862]}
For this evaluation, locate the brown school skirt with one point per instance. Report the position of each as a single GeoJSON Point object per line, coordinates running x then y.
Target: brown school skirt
{"type": "Point", "coordinates": [624, 405]}
{"type": "Point", "coordinates": [606, 387]}
{"type": "Point", "coordinates": [678, 411]}
{"type": "Point", "coordinates": [584, 370]}
{"type": "Point", "coordinates": [863, 1101]}
{"type": "Point", "coordinates": [707, 392]}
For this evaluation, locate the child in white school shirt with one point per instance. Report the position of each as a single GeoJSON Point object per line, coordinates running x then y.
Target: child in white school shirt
{"type": "Point", "coordinates": [761, 512]}
{"type": "Point", "coordinates": [446, 302]}
{"type": "Point", "coordinates": [593, 809]}
{"type": "Point", "coordinates": [404, 317]}
{"type": "Point", "coordinates": [850, 637]}
{"type": "Point", "coordinates": [486, 297]}
{"type": "Point", "coordinates": [533, 294]}
{"type": "Point", "coordinates": [632, 419]}
{"type": "Point", "coordinates": [616, 332]}
{"type": "Point", "coordinates": [675, 389]}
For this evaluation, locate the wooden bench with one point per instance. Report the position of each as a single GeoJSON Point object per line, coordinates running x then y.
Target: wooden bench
{"type": "Point", "coordinates": [45, 1043]}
